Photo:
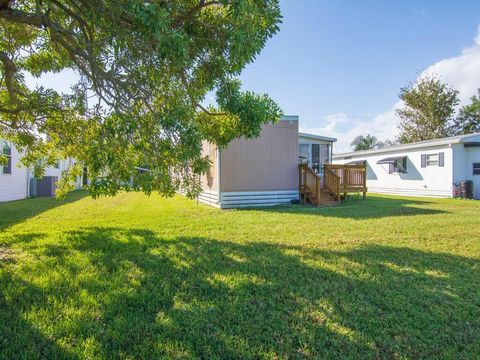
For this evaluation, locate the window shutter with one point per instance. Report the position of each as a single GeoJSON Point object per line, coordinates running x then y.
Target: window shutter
{"type": "Point", "coordinates": [7, 169]}
{"type": "Point", "coordinates": [424, 160]}
{"type": "Point", "coordinates": [441, 159]}
{"type": "Point", "coordinates": [7, 150]}
{"type": "Point", "coordinates": [391, 168]}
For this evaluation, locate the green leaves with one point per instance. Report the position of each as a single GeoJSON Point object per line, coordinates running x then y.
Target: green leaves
{"type": "Point", "coordinates": [429, 107]}
{"type": "Point", "coordinates": [364, 142]}
{"type": "Point", "coordinates": [148, 67]}
{"type": "Point", "coordinates": [468, 119]}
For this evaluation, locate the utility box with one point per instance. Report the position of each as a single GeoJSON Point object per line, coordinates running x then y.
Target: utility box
{"type": "Point", "coordinates": [46, 186]}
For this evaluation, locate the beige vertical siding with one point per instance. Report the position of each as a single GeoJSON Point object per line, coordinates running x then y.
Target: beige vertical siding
{"type": "Point", "coordinates": [209, 180]}
{"type": "Point", "coordinates": [269, 162]}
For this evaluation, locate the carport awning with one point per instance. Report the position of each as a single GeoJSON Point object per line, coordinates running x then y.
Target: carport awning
{"type": "Point", "coordinates": [391, 160]}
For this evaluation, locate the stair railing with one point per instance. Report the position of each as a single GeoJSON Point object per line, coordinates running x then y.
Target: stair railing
{"type": "Point", "coordinates": [332, 182]}
{"type": "Point", "coordinates": [310, 184]}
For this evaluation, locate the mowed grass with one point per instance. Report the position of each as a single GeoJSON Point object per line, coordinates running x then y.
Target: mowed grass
{"type": "Point", "coordinates": [147, 277]}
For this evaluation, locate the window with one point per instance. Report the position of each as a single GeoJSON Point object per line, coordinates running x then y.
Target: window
{"type": "Point", "coordinates": [437, 159]}
{"type": "Point", "coordinates": [476, 168]}
{"type": "Point", "coordinates": [400, 166]}
{"type": "Point", "coordinates": [432, 160]}
{"type": "Point", "coordinates": [304, 153]}
{"type": "Point", "coordinates": [6, 151]}
{"type": "Point", "coordinates": [397, 164]}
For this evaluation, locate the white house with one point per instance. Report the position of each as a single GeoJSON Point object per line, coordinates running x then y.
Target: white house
{"type": "Point", "coordinates": [15, 180]}
{"type": "Point", "coordinates": [428, 168]}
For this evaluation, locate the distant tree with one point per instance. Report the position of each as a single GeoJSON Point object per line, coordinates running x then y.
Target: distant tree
{"type": "Point", "coordinates": [428, 109]}
{"type": "Point", "coordinates": [468, 119]}
{"type": "Point", "coordinates": [364, 142]}
{"type": "Point", "coordinates": [386, 143]}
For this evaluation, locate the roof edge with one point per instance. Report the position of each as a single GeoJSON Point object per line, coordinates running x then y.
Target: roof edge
{"type": "Point", "coordinates": [317, 137]}
{"type": "Point", "coordinates": [416, 145]}
{"type": "Point", "coordinates": [290, 118]}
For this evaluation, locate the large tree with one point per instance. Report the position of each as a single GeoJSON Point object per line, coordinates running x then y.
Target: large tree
{"type": "Point", "coordinates": [364, 142]}
{"type": "Point", "coordinates": [148, 66]}
{"type": "Point", "coordinates": [428, 109]}
{"type": "Point", "coordinates": [468, 118]}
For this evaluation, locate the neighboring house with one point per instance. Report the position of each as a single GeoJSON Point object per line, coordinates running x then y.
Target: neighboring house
{"type": "Point", "coordinates": [315, 150]}
{"type": "Point", "coordinates": [428, 168]}
{"type": "Point", "coordinates": [17, 182]}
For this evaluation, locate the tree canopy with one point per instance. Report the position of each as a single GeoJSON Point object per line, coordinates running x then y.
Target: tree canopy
{"type": "Point", "coordinates": [148, 66]}
{"type": "Point", "coordinates": [428, 110]}
{"type": "Point", "coordinates": [468, 118]}
{"type": "Point", "coordinates": [364, 142]}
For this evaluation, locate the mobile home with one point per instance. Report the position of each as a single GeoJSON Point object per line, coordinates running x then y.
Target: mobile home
{"type": "Point", "coordinates": [254, 172]}
{"type": "Point", "coordinates": [429, 168]}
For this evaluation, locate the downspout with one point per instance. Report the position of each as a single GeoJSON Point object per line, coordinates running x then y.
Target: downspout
{"type": "Point", "coordinates": [219, 182]}
{"type": "Point", "coordinates": [28, 182]}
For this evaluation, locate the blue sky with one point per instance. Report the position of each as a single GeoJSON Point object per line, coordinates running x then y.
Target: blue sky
{"type": "Point", "coordinates": [340, 64]}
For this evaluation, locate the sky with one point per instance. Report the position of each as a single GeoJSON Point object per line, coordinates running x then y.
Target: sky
{"type": "Point", "coordinates": [340, 64]}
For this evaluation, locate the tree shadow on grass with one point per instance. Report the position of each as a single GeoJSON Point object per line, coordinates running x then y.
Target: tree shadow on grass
{"type": "Point", "coordinates": [358, 209]}
{"type": "Point", "coordinates": [131, 293]}
{"type": "Point", "coordinates": [15, 212]}
{"type": "Point", "coordinates": [19, 339]}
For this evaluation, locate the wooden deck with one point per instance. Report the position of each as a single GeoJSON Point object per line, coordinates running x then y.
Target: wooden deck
{"type": "Point", "coordinates": [337, 182]}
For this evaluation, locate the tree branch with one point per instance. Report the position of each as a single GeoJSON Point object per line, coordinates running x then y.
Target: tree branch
{"type": "Point", "coordinates": [191, 13]}
{"type": "Point", "coordinates": [10, 70]}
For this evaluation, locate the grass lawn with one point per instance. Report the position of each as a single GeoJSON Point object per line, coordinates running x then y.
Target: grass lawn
{"type": "Point", "coordinates": [144, 277]}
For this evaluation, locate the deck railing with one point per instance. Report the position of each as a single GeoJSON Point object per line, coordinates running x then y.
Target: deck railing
{"type": "Point", "coordinates": [310, 184]}
{"type": "Point", "coordinates": [352, 178]}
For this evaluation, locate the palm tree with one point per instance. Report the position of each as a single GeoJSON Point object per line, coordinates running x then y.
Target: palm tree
{"type": "Point", "coordinates": [364, 142]}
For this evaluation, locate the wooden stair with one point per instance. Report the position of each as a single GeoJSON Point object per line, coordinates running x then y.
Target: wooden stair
{"type": "Point", "coordinates": [326, 199]}
{"type": "Point", "coordinates": [312, 190]}
{"type": "Point", "coordinates": [338, 180]}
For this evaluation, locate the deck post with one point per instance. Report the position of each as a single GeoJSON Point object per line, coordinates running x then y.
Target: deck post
{"type": "Point", "coordinates": [317, 187]}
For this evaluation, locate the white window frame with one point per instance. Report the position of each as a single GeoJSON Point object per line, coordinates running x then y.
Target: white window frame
{"type": "Point", "coordinates": [309, 155]}
{"type": "Point", "coordinates": [2, 166]}
{"type": "Point", "coordinates": [433, 162]}
{"type": "Point", "coordinates": [476, 167]}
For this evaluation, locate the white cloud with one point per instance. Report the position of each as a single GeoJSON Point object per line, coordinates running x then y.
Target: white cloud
{"type": "Point", "coordinates": [381, 125]}
{"type": "Point", "coordinates": [461, 72]}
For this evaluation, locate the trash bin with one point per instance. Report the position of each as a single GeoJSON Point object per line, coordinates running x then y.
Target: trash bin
{"type": "Point", "coordinates": [466, 188]}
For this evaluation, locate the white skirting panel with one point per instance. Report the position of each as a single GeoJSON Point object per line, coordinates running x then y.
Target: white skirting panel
{"type": "Point", "coordinates": [257, 198]}
{"type": "Point", "coordinates": [210, 198]}
{"type": "Point", "coordinates": [440, 193]}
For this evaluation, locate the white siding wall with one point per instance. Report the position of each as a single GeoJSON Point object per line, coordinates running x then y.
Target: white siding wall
{"type": "Point", "coordinates": [14, 186]}
{"type": "Point", "coordinates": [463, 166]}
{"type": "Point", "coordinates": [430, 181]}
